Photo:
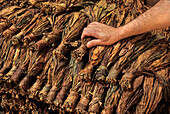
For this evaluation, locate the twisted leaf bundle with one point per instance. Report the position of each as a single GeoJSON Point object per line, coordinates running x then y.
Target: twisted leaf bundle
{"type": "Point", "coordinates": [45, 66]}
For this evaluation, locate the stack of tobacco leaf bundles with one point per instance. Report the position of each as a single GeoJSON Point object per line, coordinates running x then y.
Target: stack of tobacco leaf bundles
{"type": "Point", "coordinates": [46, 67]}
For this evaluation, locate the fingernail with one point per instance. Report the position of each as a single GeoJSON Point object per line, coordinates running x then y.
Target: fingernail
{"type": "Point", "coordinates": [88, 45]}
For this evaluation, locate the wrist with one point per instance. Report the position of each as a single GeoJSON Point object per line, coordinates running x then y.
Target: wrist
{"type": "Point", "coordinates": [122, 32]}
{"type": "Point", "coordinates": [126, 31]}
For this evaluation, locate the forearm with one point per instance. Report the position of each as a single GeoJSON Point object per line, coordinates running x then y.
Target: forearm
{"type": "Point", "coordinates": [155, 18]}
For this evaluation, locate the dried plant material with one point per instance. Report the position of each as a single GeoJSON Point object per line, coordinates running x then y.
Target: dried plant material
{"type": "Point", "coordinates": [100, 74]}
{"type": "Point", "coordinates": [38, 75]}
{"type": "Point", "coordinates": [6, 46]}
{"type": "Point", "coordinates": [53, 37]}
{"type": "Point", "coordinates": [35, 66]}
{"type": "Point", "coordinates": [51, 75]}
{"type": "Point", "coordinates": [74, 94]}
{"type": "Point", "coordinates": [19, 73]}
{"type": "Point", "coordinates": [4, 51]}
{"type": "Point", "coordinates": [86, 94]}
{"type": "Point", "coordinates": [109, 58]}
{"type": "Point", "coordinates": [165, 82]}
{"type": "Point", "coordinates": [35, 2]}
{"type": "Point", "coordinates": [20, 23]}
{"type": "Point", "coordinates": [131, 51]}
{"type": "Point", "coordinates": [8, 63]}
{"type": "Point", "coordinates": [97, 13]}
{"type": "Point", "coordinates": [15, 62]}
{"type": "Point", "coordinates": [50, 70]}
{"type": "Point", "coordinates": [43, 93]}
{"type": "Point", "coordinates": [17, 38]}
{"type": "Point", "coordinates": [53, 7]}
{"type": "Point", "coordinates": [61, 6]}
{"type": "Point", "coordinates": [98, 95]}
{"type": "Point", "coordinates": [95, 104]}
{"type": "Point", "coordinates": [21, 3]}
{"type": "Point", "coordinates": [151, 88]}
{"type": "Point", "coordinates": [9, 10]}
{"type": "Point", "coordinates": [95, 56]}
{"type": "Point", "coordinates": [112, 98]}
{"type": "Point", "coordinates": [143, 61]}
{"type": "Point", "coordinates": [42, 25]}
{"type": "Point", "coordinates": [71, 34]}
{"type": "Point", "coordinates": [33, 91]}
{"type": "Point", "coordinates": [8, 16]}
{"type": "Point", "coordinates": [58, 75]}
{"type": "Point", "coordinates": [81, 51]}
{"type": "Point", "coordinates": [79, 4]}
{"type": "Point", "coordinates": [74, 69]}
{"type": "Point", "coordinates": [70, 102]}
{"type": "Point", "coordinates": [130, 98]}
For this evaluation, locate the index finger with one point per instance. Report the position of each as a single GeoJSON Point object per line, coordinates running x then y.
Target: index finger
{"type": "Point", "coordinates": [85, 33]}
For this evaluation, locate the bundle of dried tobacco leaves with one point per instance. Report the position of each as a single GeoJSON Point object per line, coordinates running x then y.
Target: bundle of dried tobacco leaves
{"type": "Point", "coordinates": [45, 67]}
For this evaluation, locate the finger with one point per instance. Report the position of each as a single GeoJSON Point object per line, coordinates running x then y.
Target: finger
{"type": "Point", "coordinates": [90, 32]}
{"type": "Point", "coordinates": [94, 42]}
{"type": "Point", "coordinates": [85, 33]}
{"type": "Point", "coordinates": [94, 24]}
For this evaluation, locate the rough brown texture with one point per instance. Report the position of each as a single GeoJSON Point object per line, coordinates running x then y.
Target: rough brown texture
{"type": "Point", "coordinates": [45, 66]}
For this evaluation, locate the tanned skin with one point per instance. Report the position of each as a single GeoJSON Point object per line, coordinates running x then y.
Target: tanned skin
{"type": "Point", "coordinates": [156, 17]}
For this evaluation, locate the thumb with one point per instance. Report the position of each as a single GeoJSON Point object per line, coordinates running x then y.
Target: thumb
{"type": "Point", "coordinates": [94, 42]}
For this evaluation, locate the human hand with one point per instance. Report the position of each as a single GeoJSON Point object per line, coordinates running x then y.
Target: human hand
{"type": "Point", "coordinates": [104, 34]}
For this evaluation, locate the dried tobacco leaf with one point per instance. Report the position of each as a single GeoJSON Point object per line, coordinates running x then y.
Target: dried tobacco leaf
{"type": "Point", "coordinates": [97, 13]}
{"type": "Point", "coordinates": [43, 93]}
{"type": "Point", "coordinates": [97, 98]}
{"type": "Point", "coordinates": [51, 73]}
{"type": "Point", "coordinates": [57, 78]}
{"type": "Point", "coordinates": [42, 25]}
{"type": "Point", "coordinates": [71, 34]}
{"type": "Point", "coordinates": [35, 2]}
{"type": "Point", "coordinates": [6, 46]}
{"type": "Point", "coordinates": [61, 6]}
{"type": "Point", "coordinates": [131, 97]}
{"type": "Point", "coordinates": [86, 94]}
{"type": "Point", "coordinates": [23, 64]}
{"type": "Point", "coordinates": [152, 91]}
{"type": "Point", "coordinates": [112, 98]}
{"type": "Point", "coordinates": [8, 16]}
{"type": "Point", "coordinates": [100, 74]}
{"type": "Point", "coordinates": [144, 60]}
{"type": "Point", "coordinates": [163, 73]}
{"type": "Point", "coordinates": [54, 36]}
{"type": "Point", "coordinates": [33, 91]}
{"type": "Point", "coordinates": [144, 57]}
{"type": "Point", "coordinates": [8, 11]}
{"type": "Point", "coordinates": [133, 50]}
{"type": "Point", "coordinates": [70, 103]}
{"type": "Point", "coordinates": [22, 21]}
{"type": "Point", "coordinates": [153, 59]}
{"type": "Point", "coordinates": [35, 66]}
{"type": "Point", "coordinates": [8, 63]}
{"type": "Point", "coordinates": [95, 56]}
{"type": "Point", "coordinates": [109, 58]}
{"type": "Point", "coordinates": [27, 29]}
{"type": "Point", "coordinates": [74, 69]}
{"type": "Point", "coordinates": [14, 63]}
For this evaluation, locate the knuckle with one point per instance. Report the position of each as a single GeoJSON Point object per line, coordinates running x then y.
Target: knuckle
{"type": "Point", "coordinates": [85, 32]}
{"type": "Point", "coordinates": [95, 22]}
{"type": "Point", "coordinates": [85, 29]}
